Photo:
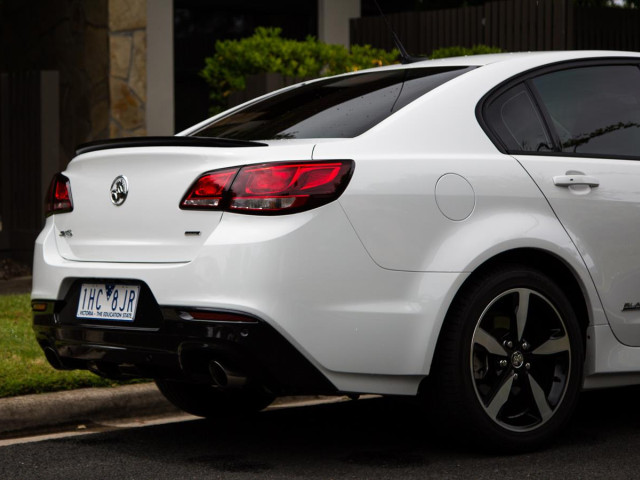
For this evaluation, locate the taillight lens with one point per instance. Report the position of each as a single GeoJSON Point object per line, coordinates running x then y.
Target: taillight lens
{"type": "Point", "coordinates": [270, 188]}
{"type": "Point", "coordinates": [58, 196]}
{"type": "Point", "coordinates": [209, 189]}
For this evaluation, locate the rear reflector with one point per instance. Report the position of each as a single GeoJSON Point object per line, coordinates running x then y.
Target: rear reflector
{"type": "Point", "coordinates": [58, 198]}
{"type": "Point", "coordinates": [39, 306]}
{"type": "Point", "coordinates": [215, 316]}
{"type": "Point", "coordinates": [270, 188]}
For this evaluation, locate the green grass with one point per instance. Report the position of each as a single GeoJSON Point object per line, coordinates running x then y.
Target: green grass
{"type": "Point", "coordinates": [23, 367]}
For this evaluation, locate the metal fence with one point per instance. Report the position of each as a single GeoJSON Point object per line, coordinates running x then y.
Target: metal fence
{"type": "Point", "coordinates": [513, 25]}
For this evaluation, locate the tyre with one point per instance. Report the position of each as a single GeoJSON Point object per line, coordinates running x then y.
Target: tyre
{"type": "Point", "coordinates": [210, 402]}
{"type": "Point", "coordinates": [508, 366]}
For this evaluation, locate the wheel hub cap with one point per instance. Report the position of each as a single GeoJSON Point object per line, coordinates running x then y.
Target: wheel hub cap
{"type": "Point", "coordinates": [517, 360]}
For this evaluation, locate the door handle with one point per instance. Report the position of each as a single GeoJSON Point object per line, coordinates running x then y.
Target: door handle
{"type": "Point", "coordinates": [570, 180]}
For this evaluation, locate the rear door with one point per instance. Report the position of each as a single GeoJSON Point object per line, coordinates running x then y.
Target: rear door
{"type": "Point", "coordinates": [580, 143]}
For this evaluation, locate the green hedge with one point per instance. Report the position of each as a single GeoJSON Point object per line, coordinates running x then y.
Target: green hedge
{"type": "Point", "coordinates": [462, 51]}
{"type": "Point", "coordinates": [267, 51]}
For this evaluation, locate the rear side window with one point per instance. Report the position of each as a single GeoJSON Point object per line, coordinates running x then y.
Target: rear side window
{"type": "Point", "coordinates": [594, 110]}
{"type": "Point", "coordinates": [340, 107]}
{"type": "Point", "coordinates": [514, 118]}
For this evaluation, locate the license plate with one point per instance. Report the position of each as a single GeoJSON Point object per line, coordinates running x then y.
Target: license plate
{"type": "Point", "coordinates": [108, 301]}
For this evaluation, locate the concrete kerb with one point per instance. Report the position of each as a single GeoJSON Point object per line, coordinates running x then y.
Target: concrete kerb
{"type": "Point", "coordinates": [18, 285]}
{"type": "Point", "coordinates": [48, 410]}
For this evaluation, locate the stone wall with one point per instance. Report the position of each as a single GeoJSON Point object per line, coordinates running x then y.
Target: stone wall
{"type": "Point", "coordinates": [127, 69]}
{"type": "Point", "coordinates": [99, 48]}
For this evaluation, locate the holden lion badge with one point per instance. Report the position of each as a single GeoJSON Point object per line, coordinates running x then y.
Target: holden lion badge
{"type": "Point", "coordinates": [119, 190]}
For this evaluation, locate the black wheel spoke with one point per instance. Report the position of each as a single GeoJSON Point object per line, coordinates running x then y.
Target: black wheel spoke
{"type": "Point", "coordinates": [540, 399]}
{"type": "Point", "coordinates": [489, 342]}
{"type": "Point", "coordinates": [500, 397]}
{"type": "Point", "coordinates": [522, 311]}
{"type": "Point", "coordinates": [553, 346]}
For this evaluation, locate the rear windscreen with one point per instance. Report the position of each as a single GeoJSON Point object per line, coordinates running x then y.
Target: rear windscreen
{"type": "Point", "coordinates": [338, 107]}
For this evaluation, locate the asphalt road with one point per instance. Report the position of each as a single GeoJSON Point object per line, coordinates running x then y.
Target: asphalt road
{"type": "Point", "coordinates": [367, 439]}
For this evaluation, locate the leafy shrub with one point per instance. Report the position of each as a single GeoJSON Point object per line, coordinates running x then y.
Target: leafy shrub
{"type": "Point", "coordinates": [462, 51]}
{"type": "Point", "coordinates": [267, 51]}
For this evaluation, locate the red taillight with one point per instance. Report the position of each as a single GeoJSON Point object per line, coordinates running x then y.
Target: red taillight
{"type": "Point", "coordinates": [58, 196]}
{"type": "Point", "coordinates": [208, 190]}
{"type": "Point", "coordinates": [271, 188]}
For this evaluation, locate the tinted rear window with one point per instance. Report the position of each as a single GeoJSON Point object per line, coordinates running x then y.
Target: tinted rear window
{"type": "Point", "coordinates": [594, 110]}
{"type": "Point", "coordinates": [514, 117]}
{"type": "Point", "coordinates": [341, 107]}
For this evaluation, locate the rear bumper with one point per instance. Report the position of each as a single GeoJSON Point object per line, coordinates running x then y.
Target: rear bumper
{"type": "Point", "coordinates": [306, 276]}
{"type": "Point", "coordinates": [169, 347]}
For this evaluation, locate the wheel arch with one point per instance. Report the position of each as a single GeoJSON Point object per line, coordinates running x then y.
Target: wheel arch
{"type": "Point", "coordinates": [544, 261]}
{"type": "Point", "coordinates": [549, 264]}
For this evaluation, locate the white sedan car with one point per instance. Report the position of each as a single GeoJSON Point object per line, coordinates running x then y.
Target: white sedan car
{"type": "Point", "coordinates": [465, 230]}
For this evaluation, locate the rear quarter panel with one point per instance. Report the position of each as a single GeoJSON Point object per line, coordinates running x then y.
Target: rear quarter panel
{"type": "Point", "coordinates": [391, 200]}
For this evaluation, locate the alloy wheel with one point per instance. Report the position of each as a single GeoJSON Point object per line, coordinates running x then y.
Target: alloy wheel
{"type": "Point", "coordinates": [520, 359]}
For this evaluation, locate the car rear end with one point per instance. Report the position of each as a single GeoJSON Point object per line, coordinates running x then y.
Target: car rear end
{"type": "Point", "coordinates": [157, 285]}
{"type": "Point", "coordinates": [234, 262]}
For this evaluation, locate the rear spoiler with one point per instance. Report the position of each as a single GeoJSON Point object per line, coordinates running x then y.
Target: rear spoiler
{"type": "Point", "coordinates": [165, 142]}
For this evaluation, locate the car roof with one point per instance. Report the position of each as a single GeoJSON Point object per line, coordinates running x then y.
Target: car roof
{"type": "Point", "coordinates": [541, 58]}
{"type": "Point", "coordinates": [512, 62]}
{"type": "Point", "coordinates": [505, 64]}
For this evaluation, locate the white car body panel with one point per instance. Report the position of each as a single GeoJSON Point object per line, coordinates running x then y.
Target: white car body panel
{"type": "Point", "coordinates": [609, 363]}
{"type": "Point", "coordinates": [365, 305]}
{"type": "Point", "coordinates": [603, 223]}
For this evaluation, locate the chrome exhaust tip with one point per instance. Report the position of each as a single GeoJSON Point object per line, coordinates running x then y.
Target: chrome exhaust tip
{"type": "Point", "coordinates": [54, 359]}
{"type": "Point", "coordinates": [225, 377]}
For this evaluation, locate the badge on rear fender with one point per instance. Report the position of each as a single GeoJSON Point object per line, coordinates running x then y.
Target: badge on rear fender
{"type": "Point", "coordinates": [631, 306]}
